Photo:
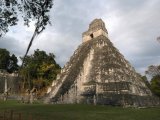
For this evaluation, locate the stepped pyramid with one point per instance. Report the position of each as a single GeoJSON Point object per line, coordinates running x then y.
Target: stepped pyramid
{"type": "Point", "coordinates": [98, 73]}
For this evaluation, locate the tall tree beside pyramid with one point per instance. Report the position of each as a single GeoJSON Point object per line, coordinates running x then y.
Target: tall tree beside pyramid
{"type": "Point", "coordinates": [98, 73]}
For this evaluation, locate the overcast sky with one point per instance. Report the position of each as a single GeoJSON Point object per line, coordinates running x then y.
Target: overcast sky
{"type": "Point", "coordinates": [133, 26]}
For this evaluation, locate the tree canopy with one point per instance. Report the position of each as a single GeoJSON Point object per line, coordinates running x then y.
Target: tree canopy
{"type": "Point", "coordinates": [144, 78]}
{"type": "Point", "coordinates": [155, 85]}
{"type": "Point", "coordinates": [40, 68]}
{"type": "Point", "coordinates": [29, 10]}
{"type": "Point", "coordinates": [154, 72]}
{"type": "Point", "coordinates": [8, 62]}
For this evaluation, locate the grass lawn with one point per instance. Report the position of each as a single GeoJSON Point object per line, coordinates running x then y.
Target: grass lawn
{"type": "Point", "coordinates": [79, 112]}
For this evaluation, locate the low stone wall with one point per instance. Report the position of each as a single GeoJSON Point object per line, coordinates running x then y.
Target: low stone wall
{"type": "Point", "coordinates": [13, 82]}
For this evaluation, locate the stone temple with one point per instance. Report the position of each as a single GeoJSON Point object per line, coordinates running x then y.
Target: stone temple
{"type": "Point", "coordinates": [98, 73]}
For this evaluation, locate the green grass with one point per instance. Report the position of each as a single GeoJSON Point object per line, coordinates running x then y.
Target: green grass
{"type": "Point", "coordinates": [80, 112]}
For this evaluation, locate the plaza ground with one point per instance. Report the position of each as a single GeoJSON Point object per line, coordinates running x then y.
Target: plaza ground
{"type": "Point", "coordinates": [39, 111]}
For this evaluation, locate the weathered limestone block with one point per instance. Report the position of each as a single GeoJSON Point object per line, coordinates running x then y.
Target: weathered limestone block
{"type": "Point", "coordinates": [96, 28]}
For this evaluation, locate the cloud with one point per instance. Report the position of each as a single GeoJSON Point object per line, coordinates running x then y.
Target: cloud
{"type": "Point", "coordinates": [62, 45]}
{"type": "Point", "coordinates": [134, 30]}
{"type": "Point", "coordinates": [133, 27]}
{"type": "Point", "coordinates": [12, 45]}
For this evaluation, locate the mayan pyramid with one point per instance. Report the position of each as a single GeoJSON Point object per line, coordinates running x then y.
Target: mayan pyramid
{"type": "Point", "coordinates": [98, 73]}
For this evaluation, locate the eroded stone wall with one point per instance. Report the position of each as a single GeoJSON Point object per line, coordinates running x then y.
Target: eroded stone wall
{"type": "Point", "coordinates": [13, 82]}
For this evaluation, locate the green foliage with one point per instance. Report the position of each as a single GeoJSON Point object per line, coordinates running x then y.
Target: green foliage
{"type": "Point", "coordinates": [79, 112]}
{"type": "Point", "coordinates": [8, 16]}
{"type": "Point", "coordinates": [30, 10]}
{"type": "Point", "coordinates": [7, 62]}
{"type": "Point", "coordinates": [40, 68]}
{"type": "Point", "coordinates": [154, 72]}
{"type": "Point", "coordinates": [144, 78]}
{"type": "Point", "coordinates": [155, 85]}
{"type": "Point", "coordinates": [36, 10]}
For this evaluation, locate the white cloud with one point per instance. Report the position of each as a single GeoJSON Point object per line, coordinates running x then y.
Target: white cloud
{"type": "Point", "coordinates": [132, 25]}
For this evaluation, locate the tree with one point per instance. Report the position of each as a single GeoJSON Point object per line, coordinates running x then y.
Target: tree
{"type": "Point", "coordinates": [8, 16]}
{"type": "Point", "coordinates": [154, 72]}
{"type": "Point", "coordinates": [4, 59]}
{"type": "Point", "coordinates": [40, 68]}
{"type": "Point", "coordinates": [155, 85]}
{"type": "Point", "coordinates": [7, 62]}
{"type": "Point", "coordinates": [13, 66]}
{"type": "Point", "coordinates": [144, 78]}
{"type": "Point", "coordinates": [30, 10]}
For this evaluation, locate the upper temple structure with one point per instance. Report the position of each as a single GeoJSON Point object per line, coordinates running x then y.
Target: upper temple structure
{"type": "Point", "coordinates": [96, 28]}
{"type": "Point", "coordinates": [98, 73]}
